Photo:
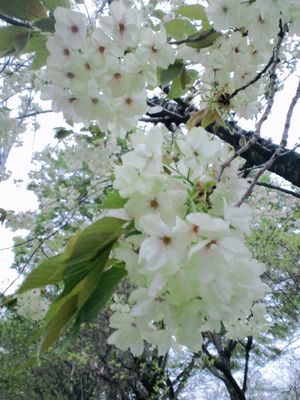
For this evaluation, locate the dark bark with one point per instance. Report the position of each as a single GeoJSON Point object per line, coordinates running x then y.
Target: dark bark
{"type": "Point", "coordinates": [286, 166]}
{"type": "Point", "coordinates": [220, 364]}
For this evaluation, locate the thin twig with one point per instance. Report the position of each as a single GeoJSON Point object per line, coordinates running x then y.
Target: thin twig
{"type": "Point", "coordinates": [201, 36]}
{"type": "Point", "coordinates": [34, 114]}
{"type": "Point", "coordinates": [275, 60]}
{"type": "Point", "coordinates": [270, 186]}
{"type": "Point", "coordinates": [255, 79]}
{"type": "Point", "coordinates": [278, 151]}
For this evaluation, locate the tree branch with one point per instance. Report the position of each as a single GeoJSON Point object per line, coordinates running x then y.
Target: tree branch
{"type": "Point", "coordinates": [248, 348]}
{"type": "Point", "coordinates": [14, 22]}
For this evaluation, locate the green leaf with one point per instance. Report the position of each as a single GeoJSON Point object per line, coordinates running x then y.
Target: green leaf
{"type": "Point", "coordinates": [62, 133]}
{"type": "Point", "coordinates": [37, 44]}
{"type": "Point", "coordinates": [182, 82]}
{"type": "Point", "coordinates": [167, 75]}
{"type": "Point", "coordinates": [59, 321]}
{"type": "Point", "coordinates": [49, 272]}
{"type": "Point", "coordinates": [76, 272]}
{"type": "Point", "coordinates": [203, 39]}
{"type": "Point", "coordinates": [209, 117]}
{"type": "Point", "coordinates": [194, 12]}
{"type": "Point", "coordinates": [28, 10]}
{"type": "Point", "coordinates": [180, 28]}
{"type": "Point", "coordinates": [113, 200]}
{"type": "Point", "coordinates": [13, 40]}
{"type": "Point", "coordinates": [52, 4]}
{"type": "Point", "coordinates": [102, 293]}
{"type": "Point", "coordinates": [94, 238]}
{"type": "Point", "coordinates": [176, 89]}
{"type": "Point", "coordinates": [46, 24]}
{"type": "Point", "coordinates": [192, 76]}
{"type": "Point", "coordinates": [39, 59]}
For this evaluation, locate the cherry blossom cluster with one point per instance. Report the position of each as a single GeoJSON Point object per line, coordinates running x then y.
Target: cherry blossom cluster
{"type": "Point", "coordinates": [249, 31]}
{"type": "Point", "coordinates": [185, 254]}
{"type": "Point", "coordinates": [100, 73]}
{"type": "Point", "coordinates": [32, 305]}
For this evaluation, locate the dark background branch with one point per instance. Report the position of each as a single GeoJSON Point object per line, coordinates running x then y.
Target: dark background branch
{"type": "Point", "coordinates": [286, 166]}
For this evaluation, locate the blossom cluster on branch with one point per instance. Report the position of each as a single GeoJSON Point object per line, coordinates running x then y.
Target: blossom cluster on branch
{"type": "Point", "coordinates": [100, 73]}
{"type": "Point", "coordinates": [186, 255]}
{"type": "Point", "coordinates": [184, 245]}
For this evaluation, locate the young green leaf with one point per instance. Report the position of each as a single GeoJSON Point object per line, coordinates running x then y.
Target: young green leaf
{"type": "Point", "coordinates": [29, 10]}
{"type": "Point", "coordinates": [49, 272]}
{"type": "Point", "coordinates": [52, 4]}
{"type": "Point", "coordinates": [105, 288]}
{"type": "Point", "coordinates": [180, 28]}
{"type": "Point", "coordinates": [113, 200]}
{"type": "Point", "coordinates": [13, 40]}
{"type": "Point", "coordinates": [59, 321]}
{"type": "Point", "coordinates": [194, 12]}
{"type": "Point", "coordinates": [167, 75]}
{"type": "Point", "coordinates": [203, 39]}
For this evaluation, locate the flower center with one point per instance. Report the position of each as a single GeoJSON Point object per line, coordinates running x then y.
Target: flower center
{"type": "Point", "coordinates": [208, 246]}
{"type": "Point", "coordinates": [121, 28]}
{"type": "Point", "coordinates": [153, 204]}
{"type": "Point", "coordinates": [195, 229]}
{"type": "Point", "coordinates": [166, 240]}
{"type": "Point", "coordinates": [74, 29]}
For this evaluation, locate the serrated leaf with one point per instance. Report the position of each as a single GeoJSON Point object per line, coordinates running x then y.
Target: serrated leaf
{"type": "Point", "coordinates": [27, 10]}
{"type": "Point", "coordinates": [49, 272]}
{"type": "Point", "coordinates": [113, 200]}
{"type": "Point", "coordinates": [13, 40]}
{"type": "Point", "coordinates": [103, 291]}
{"type": "Point", "coordinates": [194, 12]}
{"type": "Point", "coordinates": [51, 5]}
{"type": "Point", "coordinates": [180, 28]}
{"type": "Point", "coordinates": [167, 75]}
{"type": "Point", "coordinates": [94, 238]}
{"type": "Point", "coordinates": [203, 39]}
